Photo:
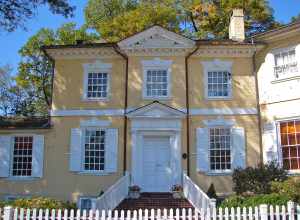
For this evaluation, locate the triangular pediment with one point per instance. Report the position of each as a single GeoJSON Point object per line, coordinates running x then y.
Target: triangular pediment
{"type": "Point", "coordinates": [156, 37]}
{"type": "Point", "coordinates": [156, 110]}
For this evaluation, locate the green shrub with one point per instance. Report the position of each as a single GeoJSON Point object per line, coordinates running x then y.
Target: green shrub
{"type": "Point", "coordinates": [256, 200]}
{"type": "Point", "coordinates": [290, 188]}
{"type": "Point", "coordinates": [211, 192]}
{"type": "Point", "coordinates": [257, 180]}
{"type": "Point", "coordinates": [39, 203]}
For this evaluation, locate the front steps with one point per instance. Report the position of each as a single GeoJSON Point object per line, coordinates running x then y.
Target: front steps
{"type": "Point", "coordinates": [154, 201]}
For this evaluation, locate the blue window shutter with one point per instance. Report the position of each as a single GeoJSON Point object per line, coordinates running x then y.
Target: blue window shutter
{"type": "Point", "coordinates": [38, 156]}
{"type": "Point", "coordinates": [111, 150]}
{"type": "Point", "coordinates": [238, 148]}
{"type": "Point", "coordinates": [75, 150]}
{"type": "Point", "coordinates": [202, 150]}
{"type": "Point", "coordinates": [270, 146]}
{"type": "Point", "coordinates": [5, 154]}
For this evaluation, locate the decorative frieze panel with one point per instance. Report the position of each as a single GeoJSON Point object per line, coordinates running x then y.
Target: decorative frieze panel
{"type": "Point", "coordinates": [82, 53]}
{"type": "Point", "coordinates": [213, 51]}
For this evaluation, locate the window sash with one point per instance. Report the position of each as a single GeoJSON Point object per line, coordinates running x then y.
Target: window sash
{"type": "Point", "coordinates": [156, 83]}
{"type": "Point", "coordinates": [94, 150]}
{"type": "Point", "coordinates": [220, 153]}
{"type": "Point", "coordinates": [97, 85]}
{"type": "Point", "coordinates": [22, 154]}
{"type": "Point", "coordinates": [218, 84]}
{"type": "Point", "coordinates": [285, 63]}
{"type": "Point", "coordinates": [290, 144]}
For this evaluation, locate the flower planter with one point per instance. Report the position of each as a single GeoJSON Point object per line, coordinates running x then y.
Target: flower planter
{"type": "Point", "coordinates": [134, 194]}
{"type": "Point", "coordinates": [177, 194]}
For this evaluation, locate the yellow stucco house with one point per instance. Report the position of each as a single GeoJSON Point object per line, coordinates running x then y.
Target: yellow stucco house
{"type": "Point", "coordinates": [159, 109]}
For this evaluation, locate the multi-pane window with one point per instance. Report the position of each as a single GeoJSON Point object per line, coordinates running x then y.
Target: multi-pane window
{"type": "Point", "coordinates": [285, 63]}
{"type": "Point", "coordinates": [94, 149]}
{"type": "Point", "coordinates": [218, 84]}
{"type": "Point", "coordinates": [22, 156]}
{"type": "Point", "coordinates": [290, 144]}
{"type": "Point", "coordinates": [97, 85]}
{"type": "Point", "coordinates": [156, 83]}
{"type": "Point", "coordinates": [85, 203]}
{"type": "Point", "coordinates": [219, 149]}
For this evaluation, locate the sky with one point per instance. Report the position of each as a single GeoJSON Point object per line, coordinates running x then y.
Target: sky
{"type": "Point", "coordinates": [10, 43]}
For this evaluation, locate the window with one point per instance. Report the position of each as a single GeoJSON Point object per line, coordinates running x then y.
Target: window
{"type": "Point", "coordinates": [285, 63]}
{"type": "Point", "coordinates": [219, 149]}
{"type": "Point", "coordinates": [157, 83]}
{"type": "Point", "coordinates": [22, 156]}
{"type": "Point", "coordinates": [97, 85]}
{"type": "Point", "coordinates": [94, 149]}
{"type": "Point", "coordinates": [218, 84]}
{"type": "Point", "coordinates": [290, 144]}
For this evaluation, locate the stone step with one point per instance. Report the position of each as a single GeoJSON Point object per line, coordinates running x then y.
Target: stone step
{"type": "Point", "coordinates": [154, 201]}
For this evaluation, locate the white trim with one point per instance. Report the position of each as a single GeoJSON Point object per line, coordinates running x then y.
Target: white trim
{"type": "Point", "coordinates": [97, 66]}
{"type": "Point", "coordinates": [220, 121]}
{"type": "Point", "coordinates": [120, 112]}
{"type": "Point", "coordinates": [157, 64]}
{"type": "Point", "coordinates": [87, 112]}
{"type": "Point", "coordinates": [94, 122]}
{"type": "Point", "coordinates": [223, 111]}
{"type": "Point", "coordinates": [217, 65]}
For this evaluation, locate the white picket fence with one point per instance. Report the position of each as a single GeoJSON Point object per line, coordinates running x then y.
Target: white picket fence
{"type": "Point", "coordinates": [263, 212]}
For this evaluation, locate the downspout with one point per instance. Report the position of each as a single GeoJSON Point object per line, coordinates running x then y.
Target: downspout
{"type": "Point", "coordinates": [188, 109]}
{"type": "Point", "coordinates": [52, 79]}
{"type": "Point", "coordinates": [117, 49]}
{"type": "Point", "coordinates": [258, 105]}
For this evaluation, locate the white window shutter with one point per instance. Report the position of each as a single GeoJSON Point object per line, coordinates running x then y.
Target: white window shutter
{"type": "Point", "coordinates": [270, 147]}
{"type": "Point", "coordinates": [238, 148]}
{"type": "Point", "coordinates": [111, 150]}
{"type": "Point", "coordinates": [75, 150]}
{"type": "Point", "coordinates": [38, 156]}
{"type": "Point", "coordinates": [202, 149]}
{"type": "Point", "coordinates": [5, 154]}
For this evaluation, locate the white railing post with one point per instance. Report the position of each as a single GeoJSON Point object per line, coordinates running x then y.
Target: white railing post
{"type": "Point", "coordinates": [263, 211]}
{"type": "Point", "coordinates": [8, 213]}
{"type": "Point", "coordinates": [213, 203]}
{"type": "Point", "coordinates": [291, 210]}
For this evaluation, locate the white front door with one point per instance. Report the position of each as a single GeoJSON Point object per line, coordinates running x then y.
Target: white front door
{"type": "Point", "coordinates": [156, 164]}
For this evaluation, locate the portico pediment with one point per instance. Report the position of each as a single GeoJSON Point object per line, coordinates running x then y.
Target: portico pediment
{"type": "Point", "coordinates": [156, 110]}
{"type": "Point", "coordinates": [156, 37]}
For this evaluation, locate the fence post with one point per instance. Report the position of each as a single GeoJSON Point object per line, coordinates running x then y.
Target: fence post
{"type": "Point", "coordinates": [8, 213]}
{"type": "Point", "coordinates": [263, 210]}
{"type": "Point", "coordinates": [291, 210]}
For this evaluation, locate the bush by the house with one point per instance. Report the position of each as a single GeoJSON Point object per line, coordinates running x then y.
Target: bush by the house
{"type": "Point", "coordinates": [289, 188]}
{"type": "Point", "coordinates": [39, 203]}
{"type": "Point", "coordinates": [256, 200]}
{"type": "Point", "coordinates": [211, 192]}
{"type": "Point", "coordinates": [257, 180]}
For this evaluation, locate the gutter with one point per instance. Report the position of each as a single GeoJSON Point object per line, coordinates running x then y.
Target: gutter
{"type": "Point", "coordinates": [188, 109]}
{"type": "Point", "coordinates": [258, 106]}
{"type": "Point", "coordinates": [117, 49]}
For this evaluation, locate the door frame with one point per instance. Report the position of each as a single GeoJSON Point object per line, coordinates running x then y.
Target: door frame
{"type": "Point", "coordinates": [156, 127]}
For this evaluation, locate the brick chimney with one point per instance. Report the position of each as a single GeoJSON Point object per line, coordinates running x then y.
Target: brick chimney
{"type": "Point", "coordinates": [237, 26]}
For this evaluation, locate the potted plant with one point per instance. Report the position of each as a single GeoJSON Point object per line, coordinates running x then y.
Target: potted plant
{"type": "Point", "coordinates": [134, 192]}
{"type": "Point", "coordinates": [177, 191]}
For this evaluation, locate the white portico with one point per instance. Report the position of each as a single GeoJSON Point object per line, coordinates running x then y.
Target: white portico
{"type": "Point", "coordinates": [156, 147]}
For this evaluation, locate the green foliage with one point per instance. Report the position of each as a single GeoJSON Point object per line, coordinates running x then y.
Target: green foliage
{"type": "Point", "coordinates": [211, 192]}
{"type": "Point", "coordinates": [13, 13]}
{"type": "Point", "coordinates": [257, 180]}
{"type": "Point", "coordinates": [296, 18]}
{"type": "Point", "coordinates": [116, 19]}
{"type": "Point", "coordinates": [241, 201]}
{"type": "Point", "coordinates": [34, 76]}
{"type": "Point", "coordinates": [39, 203]}
{"type": "Point", "coordinates": [289, 188]}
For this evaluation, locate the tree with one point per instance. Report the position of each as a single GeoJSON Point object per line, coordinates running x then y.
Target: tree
{"type": "Point", "coordinates": [194, 18]}
{"type": "Point", "coordinates": [35, 70]}
{"type": "Point", "coordinates": [14, 13]}
{"type": "Point", "coordinates": [115, 21]}
{"type": "Point", "coordinates": [296, 18]}
{"type": "Point", "coordinates": [6, 84]}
